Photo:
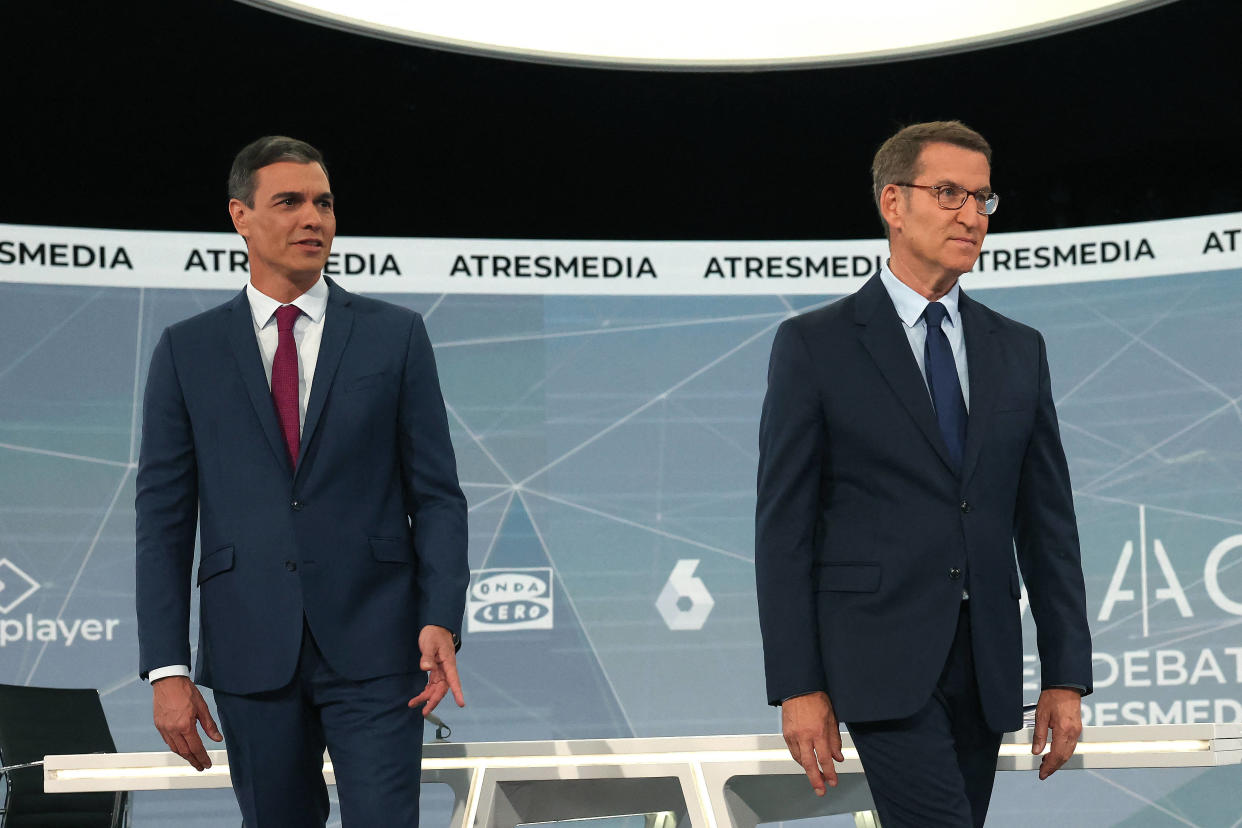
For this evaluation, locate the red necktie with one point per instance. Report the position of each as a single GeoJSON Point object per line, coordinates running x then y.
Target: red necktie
{"type": "Point", "coordinates": [285, 379]}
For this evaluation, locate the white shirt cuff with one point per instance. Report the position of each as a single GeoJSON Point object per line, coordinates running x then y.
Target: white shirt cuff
{"type": "Point", "coordinates": [164, 672]}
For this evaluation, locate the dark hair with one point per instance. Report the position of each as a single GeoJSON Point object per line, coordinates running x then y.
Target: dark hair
{"type": "Point", "coordinates": [897, 159]}
{"type": "Point", "coordinates": [258, 154]}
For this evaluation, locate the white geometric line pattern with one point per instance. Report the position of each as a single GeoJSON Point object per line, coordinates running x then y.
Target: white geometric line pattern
{"type": "Point", "coordinates": [624, 431]}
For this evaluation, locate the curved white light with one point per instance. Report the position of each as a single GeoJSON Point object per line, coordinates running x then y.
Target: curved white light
{"type": "Point", "coordinates": [706, 33]}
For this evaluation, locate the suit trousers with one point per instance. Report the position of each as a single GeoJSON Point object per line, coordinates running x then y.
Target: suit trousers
{"type": "Point", "coordinates": [936, 768]}
{"type": "Point", "coordinates": [275, 742]}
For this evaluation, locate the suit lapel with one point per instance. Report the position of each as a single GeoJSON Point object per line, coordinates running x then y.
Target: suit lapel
{"type": "Point", "coordinates": [983, 366]}
{"type": "Point", "coordinates": [884, 339]}
{"type": "Point", "coordinates": [337, 324]}
{"type": "Point", "coordinates": [245, 349]}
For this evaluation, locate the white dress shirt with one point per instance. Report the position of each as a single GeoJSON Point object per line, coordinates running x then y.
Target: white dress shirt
{"type": "Point", "coordinates": [307, 334]}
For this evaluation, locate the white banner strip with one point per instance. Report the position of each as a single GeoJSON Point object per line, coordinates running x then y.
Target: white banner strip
{"type": "Point", "coordinates": [158, 259]}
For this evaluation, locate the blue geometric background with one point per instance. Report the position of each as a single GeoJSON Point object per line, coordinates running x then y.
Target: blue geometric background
{"type": "Point", "coordinates": [608, 439]}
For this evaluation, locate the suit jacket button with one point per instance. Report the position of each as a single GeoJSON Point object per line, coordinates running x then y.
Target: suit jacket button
{"type": "Point", "coordinates": [292, 566]}
{"type": "Point", "coordinates": [296, 505]}
{"type": "Point", "coordinates": [965, 506]}
{"type": "Point", "coordinates": [955, 573]}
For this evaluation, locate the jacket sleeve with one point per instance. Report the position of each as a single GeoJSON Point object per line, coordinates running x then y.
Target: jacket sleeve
{"type": "Point", "coordinates": [791, 450]}
{"type": "Point", "coordinates": [433, 498]}
{"type": "Point", "coordinates": [1045, 535]}
{"type": "Point", "coordinates": [166, 517]}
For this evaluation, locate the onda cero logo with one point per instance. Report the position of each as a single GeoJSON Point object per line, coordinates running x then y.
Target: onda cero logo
{"type": "Point", "coordinates": [509, 599]}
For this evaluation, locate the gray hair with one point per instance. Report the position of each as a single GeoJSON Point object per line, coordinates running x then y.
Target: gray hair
{"type": "Point", "coordinates": [897, 159]}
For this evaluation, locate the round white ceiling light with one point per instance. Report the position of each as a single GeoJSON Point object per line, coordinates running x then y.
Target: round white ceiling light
{"type": "Point", "coordinates": [706, 34]}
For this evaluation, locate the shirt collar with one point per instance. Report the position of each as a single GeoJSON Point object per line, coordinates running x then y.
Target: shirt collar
{"type": "Point", "coordinates": [910, 304]}
{"type": "Point", "coordinates": [313, 303]}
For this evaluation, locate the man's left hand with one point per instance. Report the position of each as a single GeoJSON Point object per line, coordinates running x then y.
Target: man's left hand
{"type": "Point", "coordinates": [439, 659]}
{"type": "Point", "coordinates": [1058, 708]}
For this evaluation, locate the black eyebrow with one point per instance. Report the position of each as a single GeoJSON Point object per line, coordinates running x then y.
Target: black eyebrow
{"type": "Point", "coordinates": [293, 194]}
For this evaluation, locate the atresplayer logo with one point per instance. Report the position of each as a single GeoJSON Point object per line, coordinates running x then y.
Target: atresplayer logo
{"type": "Point", "coordinates": [15, 587]}
{"type": "Point", "coordinates": [509, 599]}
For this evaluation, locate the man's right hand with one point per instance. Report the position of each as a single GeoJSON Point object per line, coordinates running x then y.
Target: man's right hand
{"type": "Point", "coordinates": [179, 708]}
{"type": "Point", "coordinates": [813, 736]}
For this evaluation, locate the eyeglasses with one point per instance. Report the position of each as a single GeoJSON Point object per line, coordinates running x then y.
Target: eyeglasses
{"type": "Point", "coordinates": [952, 197]}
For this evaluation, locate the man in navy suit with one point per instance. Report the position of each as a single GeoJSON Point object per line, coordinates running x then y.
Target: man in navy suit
{"type": "Point", "coordinates": [908, 446]}
{"type": "Point", "coordinates": [301, 431]}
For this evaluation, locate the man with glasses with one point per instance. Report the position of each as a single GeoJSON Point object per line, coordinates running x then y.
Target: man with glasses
{"type": "Point", "coordinates": [908, 446]}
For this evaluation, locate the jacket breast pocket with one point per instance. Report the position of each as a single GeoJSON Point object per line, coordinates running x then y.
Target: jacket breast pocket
{"type": "Point", "coordinates": [221, 560]}
{"type": "Point", "coordinates": [848, 577]}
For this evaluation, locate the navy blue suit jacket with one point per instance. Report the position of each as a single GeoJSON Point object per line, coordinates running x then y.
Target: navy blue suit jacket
{"type": "Point", "coordinates": [861, 521]}
{"type": "Point", "coordinates": [366, 541]}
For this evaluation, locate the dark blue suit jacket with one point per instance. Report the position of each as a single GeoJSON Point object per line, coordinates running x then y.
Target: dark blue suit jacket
{"type": "Point", "coordinates": [367, 541]}
{"type": "Point", "coordinates": [861, 521]}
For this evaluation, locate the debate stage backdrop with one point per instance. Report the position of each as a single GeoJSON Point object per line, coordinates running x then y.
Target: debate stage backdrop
{"type": "Point", "coordinates": [604, 402]}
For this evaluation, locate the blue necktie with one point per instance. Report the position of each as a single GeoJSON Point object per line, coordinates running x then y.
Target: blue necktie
{"type": "Point", "coordinates": [946, 389]}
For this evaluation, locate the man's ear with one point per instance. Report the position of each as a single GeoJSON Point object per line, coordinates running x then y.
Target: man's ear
{"type": "Point", "coordinates": [892, 207]}
{"type": "Point", "coordinates": [240, 214]}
